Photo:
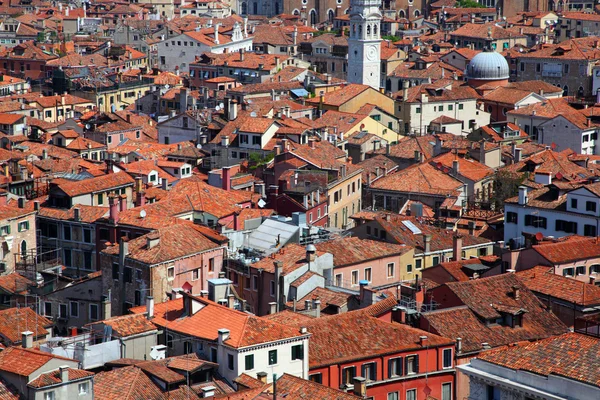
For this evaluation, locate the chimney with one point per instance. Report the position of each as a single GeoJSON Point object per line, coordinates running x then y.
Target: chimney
{"type": "Point", "coordinates": [471, 228]}
{"type": "Point", "coordinates": [523, 195]}
{"type": "Point", "coordinates": [278, 275]}
{"type": "Point", "coordinates": [225, 141]}
{"type": "Point", "coordinates": [422, 341]}
{"type": "Point", "coordinates": [360, 387]}
{"type": "Point", "coordinates": [427, 243]}
{"type": "Point", "coordinates": [233, 110]}
{"type": "Point", "coordinates": [164, 184]}
{"type": "Point", "coordinates": [458, 345]}
{"type": "Point", "coordinates": [517, 154]}
{"type": "Point", "coordinates": [363, 285]}
{"type": "Point", "coordinates": [592, 280]}
{"type": "Point", "coordinates": [482, 152]}
{"type": "Point", "coordinates": [223, 335]}
{"type": "Point", "coordinates": [113, 202]}
{"type": "Point", "coordinates": [183, 102]}
{"type": "Point", "coordinates": [343, 170]}
{"type": "Point", "coordinates": [317, 307]}
{"type": "Point", "coordinates": [150, 307]}
{"type": "Point", "coordinates": [44, 154]}
{"type": "Point", "coordinates": [64, 373]}
{"type": "Point", "coordinates": [152, 240]}
{"type": "Point", "coordinates": [387, 149]}
{"type": "Point", "coordinates": [226, 178]}
{"type": "Point", "coordinates": [36, 205]}
{"type": "Point", "coordinates": [241, 54]}
{"type": "Point", "coordinates": [76, 214]}
{"type": "Point", "coordinates": [311, 143]}
{"type": "Point", "coordinates": [272, 307]}
{"type": "Point", "coordinates": [307, 305]}
{"type": "Point", "coordinates": [107, 307]}
{"type": "Point", "coordinates": [123, 202]}
{"type": "Point", "coordinates": [457, 247]}
{"type": "Point", "coordinates": [123, 250]}
{"type": "Point", "coordinates": [455, 168]}
{"type": "Point", "coordinates": [231, 301]}
{"type": "Point", "coordinates": [516, 292]}
{"type": "Point", "coordinates": [216, 33]}
{"type": "Point", "coordinates": [262, 376]}
{"type": "Point", "coordinates": [27, 339]}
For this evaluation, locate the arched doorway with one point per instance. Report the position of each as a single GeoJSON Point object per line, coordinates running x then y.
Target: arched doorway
{"type": "Point", "coordinates": [23, 248]}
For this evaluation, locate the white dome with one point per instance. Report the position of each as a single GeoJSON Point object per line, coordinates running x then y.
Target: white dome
{"type": "Point", "coordinates": [488, 65]}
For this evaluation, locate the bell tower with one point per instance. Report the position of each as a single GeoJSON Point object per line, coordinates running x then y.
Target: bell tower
{"type": "Point", "coordinates": [364, 43]}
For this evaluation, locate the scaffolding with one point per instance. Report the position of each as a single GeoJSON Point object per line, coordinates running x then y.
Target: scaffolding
{"type": "Point", "coordinates": [30, 262]}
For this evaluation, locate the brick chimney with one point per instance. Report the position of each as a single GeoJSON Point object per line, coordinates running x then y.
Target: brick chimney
{"type": "Point", "coordinates": [226, 178]}
{"type": "Point", "coordinates": [113, 202]}
{"type": "Point", "coordinates": [457, 247]}
{"type": "Point", "coordinates": [360, 387]}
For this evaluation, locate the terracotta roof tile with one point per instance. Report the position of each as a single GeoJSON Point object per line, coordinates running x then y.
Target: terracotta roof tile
{"type": "Point", "coordinates": [575, 249]}
{"type": "Point", "coordinates": [96, 184]}
{"type": "Point", "coordinates": [128, 325]}
{"type": "Point", "coordinates": [245, 330]}
{"type": "Point", "coordinates": [128, 383]}
{"type": "Point", "coordinates": [53, 378]}
{"type": "Point", "coordinates": [13, 321]}
{"type": "Point", "coordinates": [8, 391]}
{"type": "Point", "coordinates": [173, 242]}
{"type": "Point", "coordinates": [24, 362]}
{"type": "Point", "coordinates": [542, 279]}
{"type": "Point", "coordinates": [352, 250]}
{"type": "Point", "coordinates": [294, 388]}
{"type": "Point", "coordinates": [572, 356]}
{"type": "Point", "coordinates": [14, 283]}
{"type": "Point", "coordinates": [359, 335]}
{"type": "Point", "coordinates": [88, 214]}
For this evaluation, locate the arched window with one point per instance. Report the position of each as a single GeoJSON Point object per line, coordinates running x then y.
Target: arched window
{"type": "Point", "coordinates": [368, 30]}
{"type": "Point", "coordinates": [276, 8]}
{"type": "Point", "coordinates": [23, 248]}
{"type": "Point", "coordinates": [360, 31]}
{"type": "Point", "coordinates": [255, 7]}
{"type": "Point", "coordinates": [402, 14]}
{"type": "Point", "coordinates": [296, 11]}
{"type": "Point", "coordinates": [375, 30]}
{"type": "Point", "coordinates": [244, 8]}
{"type": "Point", "coordinates": [580, 91]}
{"type": "Point", "coordinates": [565, 90]}
{"type": "Point", "coordinates": [313, 17]}
{"type": "Point", "coordinates": [417, 13]}
{"type": "Point", "coordinates": [330, 15]}
{"type": "Point", "coordinates": [353, 30]}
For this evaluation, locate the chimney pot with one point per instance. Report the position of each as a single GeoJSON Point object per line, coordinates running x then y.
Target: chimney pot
{"type": "Point", "coordinates": [27, 339]}
{"type": "Point", "coordinates": [150, 307]}
{"type": "Point", "coordinates": [360, 387]}
{"type": "Point", "coordinates": [64, 374]}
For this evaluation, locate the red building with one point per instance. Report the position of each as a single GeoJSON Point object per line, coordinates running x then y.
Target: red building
{"type": "Point", "coordinates": [396, 360]}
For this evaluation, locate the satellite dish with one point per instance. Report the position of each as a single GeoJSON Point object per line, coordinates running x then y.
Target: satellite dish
{"type": "Point", "coordinates": [217, 108]}
{"type": "Point", "coordinates": [143, 214]}
{"type": "Point", "coordinates": [87, 126]}
{"type": "Point", "coordinates": [221, 105]}
{"type": "Point", "coordinates": [261, 203]}
{"type": "Point", "coordinates": [539, 236]}
{"type": "Point", "coordinates": [167, 86]}
{"type": "Point", "coordinates": [198, 146]}
{"type": "Point", "coordinates": [253, 114]}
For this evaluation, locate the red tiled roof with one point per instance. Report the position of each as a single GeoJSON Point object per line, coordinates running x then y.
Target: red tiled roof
{"type": "Point", "coordinates": [24, 362]}
{"type": "Point", "coordinates": [574, 249]}
{"type": "Point", "coordinates": [8, 391]}
{"type": "Point", "coordinates": [128, 325]}
{"type": "Point", "coordinates": [96, 184]}
{"type": "Point", "coordinates": [292, 256]}
{"type": "Point", "coordinates": [420, 178]}
{"type": "Point", "coordinates": [173, 242]}
{"type": "Point", "coordinates": [13, 321]}
{"type": "Point", "coordinates": [53, 378]}
{"type": "Point", "coordinates": [572, 356]}
{"type": "Point", "coordinates": [14, 283]}
{"type": "Point", "coordinates": [128, 383]}
{"type": "Point", "coordinates": [358, 335]}
{"type": "Point", "coordinates": [294, 388]}
{"type": "Point", "coordinates": [484, 299]}
{"type": "Point", "coordinates": [352, 250]}
{"type": "Point", "coordinates": [542, 279]}
{"type": "Point", "coordinates": [88, 214]}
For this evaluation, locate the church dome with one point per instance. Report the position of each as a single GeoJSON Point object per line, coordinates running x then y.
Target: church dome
{"type": "Point", "coordinates": [489, 66]}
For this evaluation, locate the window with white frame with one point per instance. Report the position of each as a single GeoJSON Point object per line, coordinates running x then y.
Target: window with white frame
{"type": "Point", "coordinates": [171, 273]}
{"type": "Point", "coordinates": [411, 394]}
{"type": "Point", "coordinates": [94, 312]}
{"type": "Point", "coordinates": [395, 367]}
{"type": "Point", "coordinates": [354, 277]}
{"type": "Point", "coordinates": [393, 396]}
{"type": "Point", "coordinates": [74, 306]}
{"type": "Point", "coordinates": [272, 288]}
{"type": "Point", "coordinates": [447, 358]}
{"type": "Point", "coordinates": [447, 391]}
{"type": "Point", "coordinates": [368, 274]}
{"type": "Point", "coordinates": [390, 270]}
{"type": "Point", "coordinates": [84, 388]}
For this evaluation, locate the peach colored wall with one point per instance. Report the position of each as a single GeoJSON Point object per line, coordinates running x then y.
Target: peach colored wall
{"type": "Point", "coordinates": [184, 270]}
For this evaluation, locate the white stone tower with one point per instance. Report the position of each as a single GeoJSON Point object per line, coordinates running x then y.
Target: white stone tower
{"type": "Point", "coordinates": [364, 43]}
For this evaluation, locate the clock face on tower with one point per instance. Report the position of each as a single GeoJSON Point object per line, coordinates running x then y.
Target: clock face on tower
{"type": "Point", "coordinates": [371, 53]}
